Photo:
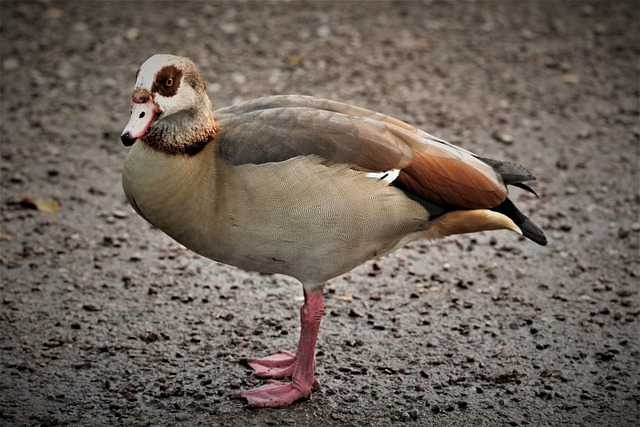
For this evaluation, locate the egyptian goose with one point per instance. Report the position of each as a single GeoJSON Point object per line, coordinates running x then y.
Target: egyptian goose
{"type": "Point", "coordinates": [301, 186]}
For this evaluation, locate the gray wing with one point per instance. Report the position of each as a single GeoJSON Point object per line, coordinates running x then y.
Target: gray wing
{"type": "Point", "coordinates": [278, 128]}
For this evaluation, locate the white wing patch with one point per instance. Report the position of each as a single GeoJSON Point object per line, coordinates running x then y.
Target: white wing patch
{"type": "Point", "coordinates": [387, 176]}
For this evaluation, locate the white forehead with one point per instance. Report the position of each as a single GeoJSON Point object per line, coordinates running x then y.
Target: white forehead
{"type": "Point", "coordinates": [151, 66]}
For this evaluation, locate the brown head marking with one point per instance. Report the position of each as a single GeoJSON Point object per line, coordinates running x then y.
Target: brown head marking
{"type": "Point", "coordinates": [167, 81]}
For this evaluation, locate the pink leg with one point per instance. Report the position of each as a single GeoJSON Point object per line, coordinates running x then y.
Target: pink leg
{"type": "Point", "coordinates": [300, 366]}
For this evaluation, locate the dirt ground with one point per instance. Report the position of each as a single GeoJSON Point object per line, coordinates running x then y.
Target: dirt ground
{"type": "Point", "coordinates": [105, 321]}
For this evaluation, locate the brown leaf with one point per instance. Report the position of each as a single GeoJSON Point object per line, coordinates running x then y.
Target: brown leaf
{"type": "Point", "coordinates": [296, 60]}
{"type": "Point", "coordinates": [4, 236]}
{"type": "Point", "coordinates": [40, 205]}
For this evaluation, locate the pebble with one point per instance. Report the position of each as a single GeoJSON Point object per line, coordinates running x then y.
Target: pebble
{"type": "Point", "coordinates": [80, 27]}
{"type": "Point", "coordinates": [503, 137]}
{"type": "Point", "coordinates": [132, 33]}
{"type": "Point", "coordinates": [53, 13]}
{"type": "Point", "coordinates": [586, 10]}
{"type": "Point", "coordinates": [119, 214]}
{"type": "Point", "coordinates": [570, 190]}
{"type": "Point", "coordinates": [354, 313]}
{"type": "Point", "coordinates": [10, 64]}
{"type": "Point", "coordinates": [562, 163]}
{"type": "Point", "coordinates": [238, 78]}
{"type": "Point", "coordinates": [323, 31]}
{"type": "Point", "coordinates": [229, 27]}
{"type": "Point", "coordinates": [182, 416]}
{"type": "Point", "coordinates": [571, 78]}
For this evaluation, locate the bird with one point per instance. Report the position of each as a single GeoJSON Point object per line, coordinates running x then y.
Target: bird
{"type": "Point", "coordinates": [301, 186]}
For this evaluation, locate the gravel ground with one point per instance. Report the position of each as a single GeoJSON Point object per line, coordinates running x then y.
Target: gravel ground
{"type": "Point", "coordinates": [104, 321]}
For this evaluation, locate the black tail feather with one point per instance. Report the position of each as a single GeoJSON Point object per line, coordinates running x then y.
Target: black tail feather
{"type": "Point", "coordinates": [512, 173]}
{"type": "Point", "coordinates": [525, 187]}
{"type": "Point", "coordinates": [529, 229]}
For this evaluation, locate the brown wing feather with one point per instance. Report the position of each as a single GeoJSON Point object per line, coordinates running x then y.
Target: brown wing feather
{"type": "Point", "coordinates": [277, 128]}
{"type": "Point", "coordinates": [450, 182]}
{"type": "Point", "coordinates": [277, 134]}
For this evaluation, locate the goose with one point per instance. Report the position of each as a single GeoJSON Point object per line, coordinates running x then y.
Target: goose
{"type": "Point", "coordinates": [301, 186]}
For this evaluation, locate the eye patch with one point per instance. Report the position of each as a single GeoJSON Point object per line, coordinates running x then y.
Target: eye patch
{"type": "Point", "coordinates": [167, 81]}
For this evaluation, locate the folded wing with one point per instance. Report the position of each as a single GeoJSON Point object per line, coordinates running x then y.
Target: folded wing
{"type": "Point", "coordinates": [274, 129]}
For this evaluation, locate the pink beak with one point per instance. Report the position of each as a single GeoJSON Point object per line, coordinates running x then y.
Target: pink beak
{"type": "Point", "coordinates": [143, 111]}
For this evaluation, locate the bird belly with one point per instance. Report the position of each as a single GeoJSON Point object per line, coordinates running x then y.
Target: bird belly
{"type": "Point", "coordinates": [297, 217]}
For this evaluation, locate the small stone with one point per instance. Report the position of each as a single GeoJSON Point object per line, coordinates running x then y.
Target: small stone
{"type": "Point", "coordinates": [10, 64]}
{"type": "Point", "coordinates": [238, 78]}
{"type": "Point", "coordinates": [566, 227]}
{"type": "Point", "coordinates": [182, 22]}
{"type": "Point", "coordinates": [228, 317]}
{"type": "Point", "coordinates": [562, 163]}
{"type": "Point", "coordinates": [354, 313]}
{"type": "Point", "coordinates": [503, 137]}
{"type": "Point", "coordinates": [80, 27]}
{"type": "Point", "coordinates": [132, 33]}
{"type": "Point", "coordinates": [150, 336]}
{"type": "Point", "coordinates": [336, 416]}
{"type": "Point", "coordinates": [323, 31]}
{"type": "Point", "coordinates": [229, 27]}
{"type": "Point", "coordinates": [571, 79]}
{"type": "Point", "coordinates": [571, 190]}
{"type": "Point", "coordinates": [527, 34]}
{"type": "Point", "coordinates": [120, 214]}
{"type": "Point", "coordinates": [586, 10]}
{"type": "Point", "coordinates": [53, 13]}
{"type": "Point", "coordinates": [182, 416]}
{"type": "Point", "coordinates": [605, 355]}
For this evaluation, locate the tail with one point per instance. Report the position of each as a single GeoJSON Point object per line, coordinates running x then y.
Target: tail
{"type": "Point", "coordinates": [448, 220]}
{"type": "Point", "coordinates": [515, 174]}
{"type": "Point", "coordinates": [529, 229]}
{"type": "Point", "coordinates": [503, 217]}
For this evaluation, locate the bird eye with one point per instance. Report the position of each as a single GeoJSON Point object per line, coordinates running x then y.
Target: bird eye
{"type": "Point", "coordinates": [168, 82]}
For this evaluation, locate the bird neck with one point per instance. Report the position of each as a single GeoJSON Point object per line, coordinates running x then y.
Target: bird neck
{"type": "Point", "coordinates": [182, 133]}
